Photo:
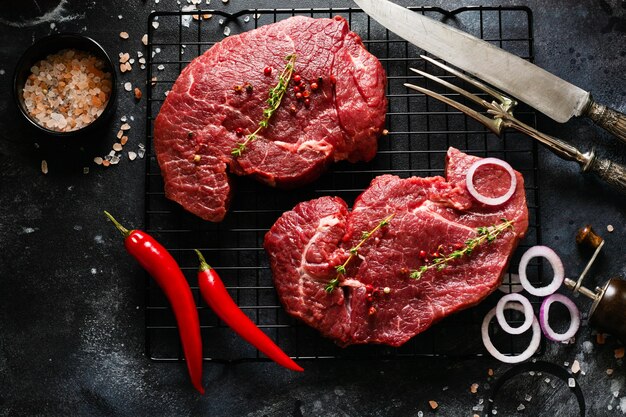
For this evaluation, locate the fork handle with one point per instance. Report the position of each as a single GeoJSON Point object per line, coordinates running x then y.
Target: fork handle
{"type": "Point", "coordinates": [607, 118]}
{"type": "Point", "coordinates": [611, 172]}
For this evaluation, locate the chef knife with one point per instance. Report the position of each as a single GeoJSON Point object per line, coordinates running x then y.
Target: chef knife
{"type": "Point", "coordinates": [549, 94]}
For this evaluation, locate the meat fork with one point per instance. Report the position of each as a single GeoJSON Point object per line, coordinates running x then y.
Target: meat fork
{"type": "Point", "coordinates": [501, 112]}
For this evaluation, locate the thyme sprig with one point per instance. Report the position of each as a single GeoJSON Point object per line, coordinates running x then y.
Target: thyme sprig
{"type": "Point", "coordinates": [483, 234]}
{"type": "Point", "coordinates": [275, 96]}
{"type": "Point", "coordinates": [354, 251]}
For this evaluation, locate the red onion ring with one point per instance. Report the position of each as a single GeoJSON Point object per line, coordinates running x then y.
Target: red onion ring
{"type": "Point", "coordinates": [490, 201]}
{"type": "Point", "coordinates": [555, 262]}
{"type": "Point", "coordinates": [530, 350]}
{"type": "Point", "coordinates": [528, 313]}
{"type": "Point", "coordinates": [544, 315]}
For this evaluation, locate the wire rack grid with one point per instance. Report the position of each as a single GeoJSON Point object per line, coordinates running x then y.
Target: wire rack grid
{"type": "Point", "coordinates": [420, 131]}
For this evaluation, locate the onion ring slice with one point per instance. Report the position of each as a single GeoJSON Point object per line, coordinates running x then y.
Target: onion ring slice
{"type": "Point", "coordinates": [490, 201]}
{"type": "Point", "coordinates": [528, 313]}
{"type": "Point", "coordinates": [557, 266]}
{"type": "Point", "coordinates": [544, 315]}
{"type": "Point", "coordinates": [530, 350]}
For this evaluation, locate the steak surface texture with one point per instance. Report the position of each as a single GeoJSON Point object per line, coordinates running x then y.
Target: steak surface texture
{"type": "Point", "coordinates": [434, 215]}
{"type": "Point", "coordinates": [219, 98]}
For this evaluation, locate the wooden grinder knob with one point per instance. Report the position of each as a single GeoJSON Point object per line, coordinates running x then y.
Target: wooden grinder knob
{"type": "Point", "coordinates": [588, 237]}
{"type": "Point", "coordinates": [608, 312]}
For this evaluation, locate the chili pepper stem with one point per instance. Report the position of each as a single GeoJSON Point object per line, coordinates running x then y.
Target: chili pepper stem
{"type": "Point", "coordinates": [204, 266]}
{"type": "Point", "coordinates": [124, 231]}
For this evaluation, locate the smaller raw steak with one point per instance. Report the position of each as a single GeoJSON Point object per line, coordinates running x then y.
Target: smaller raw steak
{"type": "Point", "coordinates": [220, 96]}
{"type": "Point", "coordinates": [430, 215]}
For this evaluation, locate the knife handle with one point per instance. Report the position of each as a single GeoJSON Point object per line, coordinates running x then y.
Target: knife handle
{"type": "Point", "coordinates": [611, 172]}
{"type": "Point", "coordinates": [608, 119]}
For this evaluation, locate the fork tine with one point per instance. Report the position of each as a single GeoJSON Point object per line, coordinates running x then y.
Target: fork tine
{"type": "Point", "coordinates": [494, 125]}
{"type": "Point", "coordinates": [453, 87]}
{"type": "Point", "coordinates": [508, 102]}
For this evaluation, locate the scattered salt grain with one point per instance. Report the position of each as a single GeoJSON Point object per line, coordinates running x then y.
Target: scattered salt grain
{"type": "Point", "coordinates": [124, 140]}
{"type": "Point", "coordinates": [137, 93]}
{"type": "Point", "coordinates": [115, 160]}
{"type": "Point", "coordinates": [128, 86]}
{"type": "Point", "coordinates": [226, 31]}
{"type": "Point", "coordinates": [576, 367]}
{"type": "Point", "coordinates": [44, 166]}
{"type": "Point", "coordinates": [125, 127]}
{"type": "Point", "coordinates": [224, 1]}
{"type": "Point", "coordinates": [144, 39]}
{"type": "Point", "coordinates": [53, 25]}
{"type": "Point", "coordinates": [433, 404]}
{"type": "Point", "coordinates": [610, 228]}
{"type": "Point", "coordinates": [619, 353]}
{"type": "Point", "coordinates": [474, 388]}
{"type": "Point", "coordinates": [161, 67]}
{"type": "Point", "coordinates": [528, 397]}
{"type": "Point", "coordinates": [119, 17]}
{"type": "Point", "coordinates": [609, 372]}
{"type": "Point", "coordinates": [547, 380]}
{"type": "Point", "coordinates": [571, 382]}
{"type": "Point", "coordinates": [142, 66]}
{"type": "Point", "coordinates": [141, 152]}
{"type": "Point", "coordinates": [94, 271]}
{"type": "Point", "coordinates": [85, 170]}
{"type": "Point", "coordinates": [155, 25]}
{"type": "Point", "coordinates": [131, 61]}
{"type": "Point", "coordinates": [124, 35]}
{"type": "Point", "coordinates": [124, 57]}
{"type": "Point", "coordinates": [420, 413]}
{"type": "Point", "coordinates": [521, 407]}
{"type": "Point", "coordinates": [132, 155]}
{"type": "Point", "coordinates": [2, 72]}
{"type": "Point", "coordinates": [157, 50]}
{"type": "Point", "coordinates": [221, 21]}
{"type": "Point", "coordinates": [97, 160]}
{"type": "Point", "coordinates": [246, 19]}
{"type": "Point", "coordinates": [142, 60]}
{"type": "Point", "coordinates": [117, 146]}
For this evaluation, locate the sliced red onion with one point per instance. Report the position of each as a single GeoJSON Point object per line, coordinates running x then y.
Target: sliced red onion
{"type": "Point", "coordinates": [557, 266]}
{"type": "Point", "coordinates": [544, 315]}
{"type": "Point", "coordinates": [490, 201]}
{"type": "Point", "coordinates": [530, 350]}
{"type": "Point", "coordinates": [528, 313]}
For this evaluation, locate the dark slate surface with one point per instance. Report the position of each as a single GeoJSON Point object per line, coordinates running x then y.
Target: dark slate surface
{"type": "Point", "coordinates": [71, 318]}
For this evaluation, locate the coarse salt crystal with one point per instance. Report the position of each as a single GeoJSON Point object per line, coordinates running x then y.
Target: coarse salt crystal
{"type": "Point", "coordinates": [571, 382]}
{"type": "Point", "coordinates": [44, 166]}
{"type": "Point", "coordinates": [117, 146]}
{"type": "Point", "coordinates": [155, 25]}
{"type": "Point", "coordinates": [161, 67]}
{"type": "Point", "coordinates": [119, 16]}
{"type": "Point", "coordinates": [115, 160]}
{"type": "Point", "coordinates": [144, 39]}
{"type": "Point", "coordinates": [85, 170]}
{"type": "Point", "coordinates": [226, 31]}
{"type": "Point", "coordinates": [124, 140]}
{"type": "Point", "coordinates": [576, 367]}
{"type": "Point", "coordinates": [132, 155]}
{"type": "Point", "coordinates": [521, 407]}
{"type": "Point", "coordinates": [141, 153]}
{"type": "Point", "coordinates": [128, 86]}
{"type": "Point", "coordinates": [97, 160]}
{"type": "Point", "coordinates": [125, 127]}
{"type": "Point", "coordinates": [123, 119]}
{"type": "Point", "coordinates": [246, 19]}
{"type": "Point", "coordinates": [124, 35]}
{"type": "Point", "coordinates": [610, 228]}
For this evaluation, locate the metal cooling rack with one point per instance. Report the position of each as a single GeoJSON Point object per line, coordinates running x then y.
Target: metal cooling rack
{"type": "Point", "coordinates": [420, 131]}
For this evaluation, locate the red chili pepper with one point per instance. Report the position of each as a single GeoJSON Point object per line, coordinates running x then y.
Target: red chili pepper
{"type": "Point", "coordinates": [155, 259]}
{"type": "Point", "coordinates": [216, 296]}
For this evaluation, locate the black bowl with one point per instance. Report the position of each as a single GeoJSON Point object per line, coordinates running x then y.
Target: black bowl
{"type": "Point", "coordinates": [50, 45]}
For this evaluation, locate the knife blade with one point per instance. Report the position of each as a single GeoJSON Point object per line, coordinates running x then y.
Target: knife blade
{"type": "Point", "coordinates": [551, 95]}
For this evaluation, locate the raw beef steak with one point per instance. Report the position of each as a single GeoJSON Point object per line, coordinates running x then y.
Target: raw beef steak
{"type": "Point", "coordinates": [432, 215]}
{"type": "Point", "coordinates": [204, 116]}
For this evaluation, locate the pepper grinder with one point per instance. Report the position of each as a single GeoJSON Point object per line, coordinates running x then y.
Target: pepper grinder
{"type": "Point", "coordinates": [608, 311]}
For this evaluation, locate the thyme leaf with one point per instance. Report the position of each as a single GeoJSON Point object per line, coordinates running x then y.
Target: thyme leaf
{"type": "Point", "coordinates": [354, 251]}
{"type": "Point", "coordinates": [484, 234]}
{"type": "Point", "coordinates": [275, 96]}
